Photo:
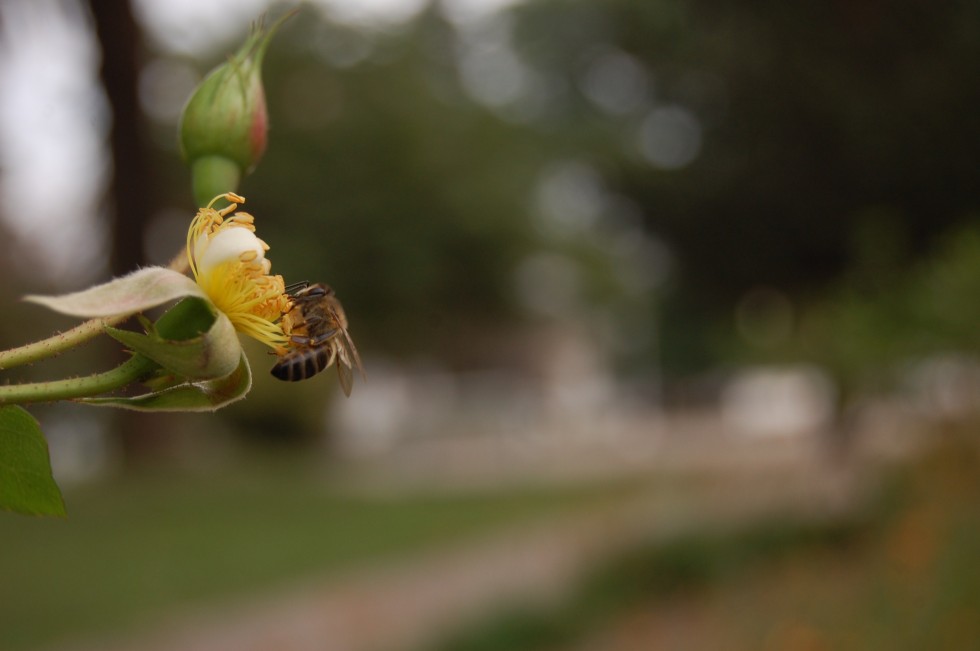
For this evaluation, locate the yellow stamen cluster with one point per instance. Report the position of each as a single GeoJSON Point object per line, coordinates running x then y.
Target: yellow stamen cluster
{"type": "Point", "coordinates": [228, 262]}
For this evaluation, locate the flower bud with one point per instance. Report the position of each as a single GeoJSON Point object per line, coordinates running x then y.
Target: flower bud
{"type": "Point", "coordinates": [223, 127]}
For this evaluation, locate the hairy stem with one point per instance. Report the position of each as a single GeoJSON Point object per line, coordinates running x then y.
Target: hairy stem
{"type": "Point", "coordinates": [59, 343]}
{"type": "Point", "coordinates": [129, 371]}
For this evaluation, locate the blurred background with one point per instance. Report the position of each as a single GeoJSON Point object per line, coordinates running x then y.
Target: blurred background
{"type": "Point", "coordinates": [669, 312]}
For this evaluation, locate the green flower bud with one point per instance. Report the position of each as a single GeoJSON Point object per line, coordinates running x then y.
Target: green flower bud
{"type": "Point", "coordinates": [223, 127]}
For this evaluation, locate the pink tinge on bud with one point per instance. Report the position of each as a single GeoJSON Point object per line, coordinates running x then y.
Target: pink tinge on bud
{"type": "Point", "coordinates": [258, 134]}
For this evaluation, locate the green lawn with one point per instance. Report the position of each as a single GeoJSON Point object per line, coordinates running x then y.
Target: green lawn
{"type": "Point", "coordinates": [133, 547]}
{"type": "Point", "coordinates": [902, 575]}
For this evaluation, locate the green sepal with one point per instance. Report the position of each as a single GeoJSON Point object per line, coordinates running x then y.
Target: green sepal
{"type": "Point", "coordinates": [26, 482]}
{"type": "Point", "coordinates": [192, 340]}
{"type": "Point", "coordinates": [209, 395]}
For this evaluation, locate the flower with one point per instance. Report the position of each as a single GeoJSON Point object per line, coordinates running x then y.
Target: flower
{"type": "Point", "coordinates": [228, 262]}
{"type": "Point", "coordinates": [197, 359]}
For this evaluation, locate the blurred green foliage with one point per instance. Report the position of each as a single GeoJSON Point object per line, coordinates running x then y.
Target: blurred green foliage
{"type": "Point", "coordinates": [390, 177]}
{"type": "Point", "coordinates": [420, 168]}
{"type": "Point", "coordinates": [864, 333]}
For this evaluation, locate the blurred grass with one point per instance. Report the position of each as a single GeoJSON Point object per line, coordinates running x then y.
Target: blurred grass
{"type": "Point", "coordinates": [692, 561]}
{"type": "Point", "coordinates": [134, 547]}
{"type": "Point", "coordinates": [900, 574]}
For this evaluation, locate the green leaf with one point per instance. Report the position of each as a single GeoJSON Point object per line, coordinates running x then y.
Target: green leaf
{"type": "Point", "coordinates": [26, 482]}
{"type": "Point", "coordinates": [191, 340]}
{"type": "Point", "coordinates": [136, 292]}
{"type": "Point", "coordinates": [209, 395]}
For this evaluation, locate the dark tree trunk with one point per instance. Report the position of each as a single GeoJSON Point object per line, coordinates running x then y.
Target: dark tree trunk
{"type": "Point", "coordinates": [130, 195]}
{"type": "Point", "coordinates": [130, 189]}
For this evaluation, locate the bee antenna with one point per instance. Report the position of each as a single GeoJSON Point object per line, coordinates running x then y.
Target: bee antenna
{"type": "Point", "coordinates": [292, 288]}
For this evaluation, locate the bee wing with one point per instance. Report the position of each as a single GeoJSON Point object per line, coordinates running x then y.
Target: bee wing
{"type": "Point", "coordinates": [352, 355]}
{"type": "Point", "coordinates": [346, 377]}
{"type": "Point", "coordinates": [347, 359]}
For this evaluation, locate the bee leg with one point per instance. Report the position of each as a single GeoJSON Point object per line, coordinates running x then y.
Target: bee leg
{"type": "Point", "coordinates": [325, 337]}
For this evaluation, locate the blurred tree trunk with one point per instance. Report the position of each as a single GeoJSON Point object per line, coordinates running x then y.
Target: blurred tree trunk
{"type": "Point", "coordinates": [119, 39]}
{"type": "Point", "coordinates": [130, 195]}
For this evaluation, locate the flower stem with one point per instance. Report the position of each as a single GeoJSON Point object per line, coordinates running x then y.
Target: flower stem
{"type": "Point", "coordinates": [214, 175]}
{"type": "Point", "coordinates": [129, 371]}
{"type": "Point", "coordinates": [52, 346]}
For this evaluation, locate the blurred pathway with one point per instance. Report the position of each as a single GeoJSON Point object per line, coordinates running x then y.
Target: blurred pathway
{"type": "Point", "coordinates": [404, 604]}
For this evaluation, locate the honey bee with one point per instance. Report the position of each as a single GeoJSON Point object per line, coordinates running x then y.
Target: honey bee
{"type": "Point", "coordinates": [318, 338]}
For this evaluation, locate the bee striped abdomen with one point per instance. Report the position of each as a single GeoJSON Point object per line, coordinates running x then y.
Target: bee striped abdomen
{"type": "Point", "coordinates": [303, 364]}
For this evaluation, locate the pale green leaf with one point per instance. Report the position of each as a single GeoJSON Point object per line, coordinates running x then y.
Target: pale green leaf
{"type": "Point", "coordinates": [209, 395]}
{"type": "Point", "coordinates": [136, 292]}
{"type": "Point", "coordinates": [26, 482]}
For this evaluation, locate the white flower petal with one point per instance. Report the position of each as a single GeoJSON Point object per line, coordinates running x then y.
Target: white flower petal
{"type": "Point", "coordinates": [228, 244]}
{"type": "Point", "coordinates": [200, 246]}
